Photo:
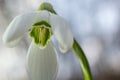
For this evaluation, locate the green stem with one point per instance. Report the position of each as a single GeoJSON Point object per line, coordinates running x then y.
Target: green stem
{"type": "Point", "coordinates": [83, 61]}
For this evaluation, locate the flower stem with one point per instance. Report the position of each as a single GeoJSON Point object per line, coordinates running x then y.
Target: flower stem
{"type": "Point", "coordinates": [83, 61]}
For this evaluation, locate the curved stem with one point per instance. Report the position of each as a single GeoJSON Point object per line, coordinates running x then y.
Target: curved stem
{"type": "Point", "coordinates": [83, 61]}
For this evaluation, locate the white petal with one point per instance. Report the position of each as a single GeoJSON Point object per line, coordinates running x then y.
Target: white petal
{"type": "Point", "coordinates": [13, 43]}
{"type": "Point", "coordinates": [22, 24]}
{"type": "Point", "coordinates": [42, 63]}
{"type": "Point", "coordinates": [62, 32]}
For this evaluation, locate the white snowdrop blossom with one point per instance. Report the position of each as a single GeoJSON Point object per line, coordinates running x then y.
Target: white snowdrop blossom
{"type": "Point", "coordinates": [42, 61]}
{"type": "Point", "coordinates": [41, 58]}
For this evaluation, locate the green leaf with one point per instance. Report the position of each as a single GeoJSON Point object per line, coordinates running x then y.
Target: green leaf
{"type": "Point", "coordinates": [47, 6]}
{"type": "Point", "coordinates": [41, 33]}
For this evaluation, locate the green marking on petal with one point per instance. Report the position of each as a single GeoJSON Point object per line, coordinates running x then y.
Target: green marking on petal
{"type": "Point", "coordinates": [42, 23]}
{"type": "Point", "coordinates": [41, 33]}
{"type": "Point", "coordinates": [47, 6]}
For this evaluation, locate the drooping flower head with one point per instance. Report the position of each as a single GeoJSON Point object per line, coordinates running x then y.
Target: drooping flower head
{"type": "Point", "coordinates": [41, 25]}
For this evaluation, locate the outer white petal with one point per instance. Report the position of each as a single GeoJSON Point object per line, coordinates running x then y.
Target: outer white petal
{"type": "Point", "coordinates": [22, 24]}
{"type": "Point", "coordinates": [62, 32]}
{"type": "Point", "coordinates": [42, 63]}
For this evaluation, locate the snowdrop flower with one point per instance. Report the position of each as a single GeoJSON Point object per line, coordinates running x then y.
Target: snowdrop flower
{"type": "Point", "coordinates": [42, 58]}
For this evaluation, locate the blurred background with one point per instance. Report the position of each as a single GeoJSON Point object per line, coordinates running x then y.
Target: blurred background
{"type": "Point", "coordinates": [95, 25]}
